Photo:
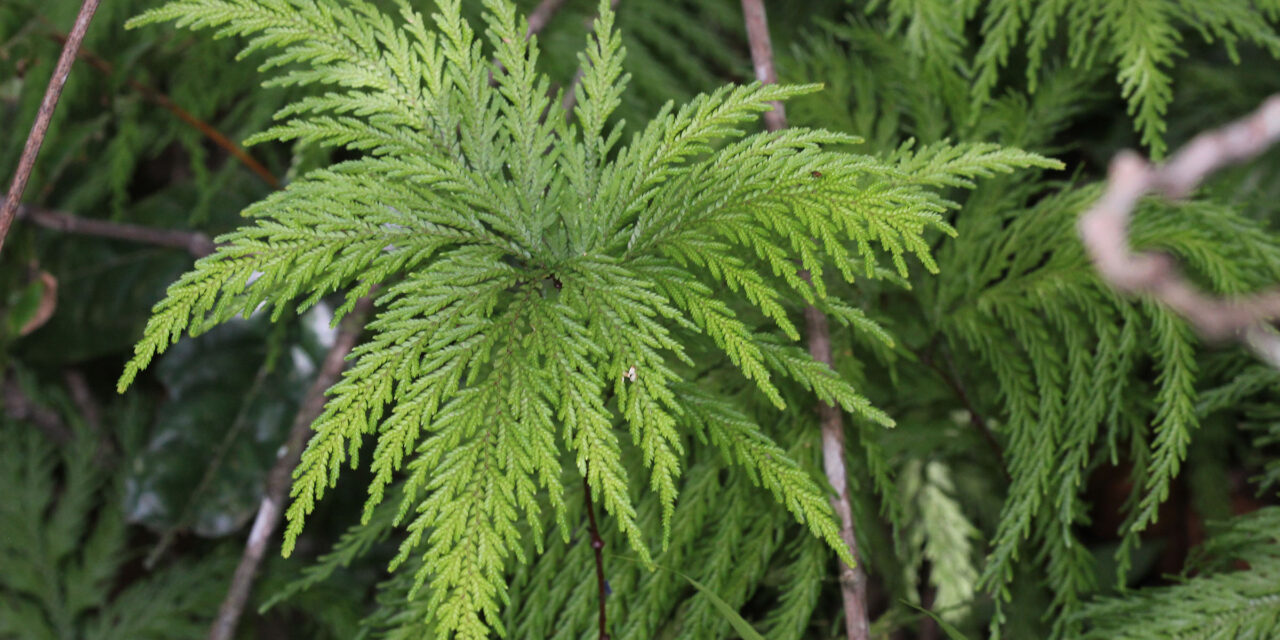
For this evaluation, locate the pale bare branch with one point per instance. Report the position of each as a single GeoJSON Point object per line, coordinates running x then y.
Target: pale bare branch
{"type": "Point", "coordinates": [853, 580]}
{"type": "Point", "coordinates": [278, 479]}
{"type": "Point", "coordinates": [1104, 229]}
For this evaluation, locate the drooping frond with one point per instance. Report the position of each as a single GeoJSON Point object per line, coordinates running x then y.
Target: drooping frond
{"type": "Point", "coordinates": [1064, 351]}
{"type": "Point", "coordinates": [941, 534]}
{"type": "Point", "coordinates": [1223, 601]}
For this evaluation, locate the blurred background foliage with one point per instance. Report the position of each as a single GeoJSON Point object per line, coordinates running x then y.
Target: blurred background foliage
{"type": "Point", "coordinates": [123, 515]}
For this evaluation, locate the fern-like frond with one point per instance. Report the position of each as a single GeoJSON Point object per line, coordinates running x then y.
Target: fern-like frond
{"type": "Point", "coordinates": [1221, 602]}
{"type": "Point", "coordinates": [543, 281]}
{"type": "Point", "coordinates": [63, 545]}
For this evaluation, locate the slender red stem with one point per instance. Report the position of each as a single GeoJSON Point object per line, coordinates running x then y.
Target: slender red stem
{"type": "Point", "coordinates": [206, 129]}
{"type": "Point", "coordinates": [597, 545]}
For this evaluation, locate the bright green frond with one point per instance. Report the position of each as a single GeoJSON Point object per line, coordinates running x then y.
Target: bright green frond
{"type": "Point", "coordinates": [542, 289]}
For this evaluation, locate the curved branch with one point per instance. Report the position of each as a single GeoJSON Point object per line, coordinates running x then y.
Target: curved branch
{"type": "Point", "coordinates": [597, 545]}
{"type": "Point", "coordinates": [1104, 230]}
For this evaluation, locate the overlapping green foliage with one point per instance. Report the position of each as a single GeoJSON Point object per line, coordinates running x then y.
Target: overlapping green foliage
{"type": "Point", "coordinates": [64, 546]}
{"type": "Point", "coordinates": [541, 283]}
{"type": "Point", "coordinates": [564, 295]}
{"type": "Point", "coordinates": [1140, 39]}
{"type": "Point", "coordinates": [1223, 600]}
{"type": "Point", "coordinates": [1072, 376]}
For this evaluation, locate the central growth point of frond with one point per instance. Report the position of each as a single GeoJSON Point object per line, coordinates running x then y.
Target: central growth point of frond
{"type": "Point", "coordinates": [541, 283]}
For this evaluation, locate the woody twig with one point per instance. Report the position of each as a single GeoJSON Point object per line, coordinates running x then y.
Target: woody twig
{"type": "Point", "coordinates": [1104, 229]}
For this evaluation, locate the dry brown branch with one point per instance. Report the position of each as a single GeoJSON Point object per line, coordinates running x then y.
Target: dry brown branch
{"type": "Point", "coordinates": [1104, 230]}
{"type": "Point", "coordinates": [193, 242]}
{"type": "Point", "coordinates": [853, 580]}
{"type": "Point", "coordinates": [762, 57]}
{"type": "Point", "coordinates": [278, 479]}
{"type": "Point", "coordinates": [9, 208]}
